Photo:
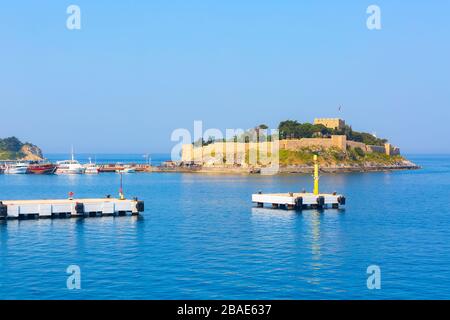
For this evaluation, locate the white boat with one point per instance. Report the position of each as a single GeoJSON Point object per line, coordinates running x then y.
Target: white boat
{"type": "Point", "coordinates": [69, 166]}
{"type": "Point", "coordinates": [17, 168]}
{"type": "Point", "coordinates": [127, 169]}
{"type": "Point", "coordinates": [91, 168]}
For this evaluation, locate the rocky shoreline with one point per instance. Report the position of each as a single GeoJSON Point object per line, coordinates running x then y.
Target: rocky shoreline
{"type": "Point", "coordinates": [294, 169]}
{"type": "Point", "coordinates": [407, 165]}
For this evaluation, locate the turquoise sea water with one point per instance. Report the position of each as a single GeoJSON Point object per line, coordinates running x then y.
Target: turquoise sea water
{"type": "Point", "coordinates": [201, 238]}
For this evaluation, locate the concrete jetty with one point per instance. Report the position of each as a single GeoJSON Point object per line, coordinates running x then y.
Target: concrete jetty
{"type": "Point", "coordinates": [303, 200]}
{"type": "Point", "coordinates": [65, 208]}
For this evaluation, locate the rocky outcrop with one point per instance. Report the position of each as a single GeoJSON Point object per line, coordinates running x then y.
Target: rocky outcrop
{"type": "Point", "coordinates": [31, 152]}
{"type": "Point", "coordinates": [12, 148]}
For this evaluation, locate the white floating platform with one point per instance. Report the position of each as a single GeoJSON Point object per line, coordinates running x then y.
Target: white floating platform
{"type": "Point", "coordinates": [15, 209]}
{"type": "Point", "coordinates": [298, 200]}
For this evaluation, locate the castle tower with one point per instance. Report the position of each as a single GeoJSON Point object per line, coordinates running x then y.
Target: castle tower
{"type": "Point", "coordinates": [332, 123]}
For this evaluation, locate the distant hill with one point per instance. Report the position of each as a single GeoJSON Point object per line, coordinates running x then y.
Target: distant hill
{"type": "Point", "coordinates": [13, 149]}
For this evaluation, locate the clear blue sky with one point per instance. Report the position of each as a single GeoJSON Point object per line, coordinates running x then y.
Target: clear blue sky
{"type": "Point", "coordinates": [139, 69]}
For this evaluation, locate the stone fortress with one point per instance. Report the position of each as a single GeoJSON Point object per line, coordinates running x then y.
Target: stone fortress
{"type": "Point", "coordinates": [236, 153]}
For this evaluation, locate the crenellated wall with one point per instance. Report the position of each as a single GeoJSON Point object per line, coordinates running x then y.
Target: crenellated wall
{"type": "Point", "coordinates": [332, 123]}
{"type": "Point", "coordinates": [236, 152]}
{"type": "Point", "coordinates": [295, 144]}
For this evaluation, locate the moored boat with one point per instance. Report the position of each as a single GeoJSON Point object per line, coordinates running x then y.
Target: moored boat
{"type": "Point", "coordinates": [69, 166]}
{"type": "Point", "coordinates": [127, 169]}
{"type": "Point", "coordinates": [41, 168]}
{"type": "Point", "coordinates": [91, 168]}
{"type": "Point", "coordinates": [17, 168]}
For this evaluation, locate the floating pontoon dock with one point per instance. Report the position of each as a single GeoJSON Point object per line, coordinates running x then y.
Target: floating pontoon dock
{"type": "Point", "coordinates": [303, 200]}
{"type": "Point", "coordinates": [298, 200]}
{"type": "Point", "coordinates": [15, 209]}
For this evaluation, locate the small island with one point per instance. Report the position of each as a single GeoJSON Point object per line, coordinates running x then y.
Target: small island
{"type": "Point", "coordinates": [338, 146]}
{"type": "Point", "coordinates": [13, 149]}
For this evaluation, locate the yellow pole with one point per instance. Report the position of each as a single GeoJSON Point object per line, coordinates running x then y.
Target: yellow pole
{"type": "Point", "coordinates": [316, 176]}
{"type": "Point", "coordinates": [121, 195]}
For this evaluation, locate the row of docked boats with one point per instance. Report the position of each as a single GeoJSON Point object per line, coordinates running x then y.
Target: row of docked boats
{"type": "Point", "coordinates": [61, 167]}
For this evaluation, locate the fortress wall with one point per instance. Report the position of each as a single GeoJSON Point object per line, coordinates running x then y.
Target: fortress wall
{"type": "Point", "coordinates": [388, 149]}
{"type": "Point", "coordinates": [235, 152]}
{"type": "Point", "coordinates": [339, 141]}
{"type": "Point", "coordinates": [391, 150]}
{"type": "Point", "coordinates": [296, 144]}
{"type": "Point", "coordinates": [187, 152]}
{"type": "Point", "coordinates": [378, 149]}
{"type": "Point", "coordinates": [231, 152]}
{"type": "Point", "coordinates": [354, 144]}
{"type": "Point", "coordinates": [395, 151]}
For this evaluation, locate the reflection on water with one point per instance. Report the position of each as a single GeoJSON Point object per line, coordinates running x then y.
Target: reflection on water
{"type": "Point", "coordinates": [315, 217]}
{"type": "Point", "coordinates": [310, 236]}
{"type": "Point", "coordinates": [267, 213]}
{"type": "Point", "coordinates": [3, 234]}
{"type": "Point", "coordinates": [314, 220]}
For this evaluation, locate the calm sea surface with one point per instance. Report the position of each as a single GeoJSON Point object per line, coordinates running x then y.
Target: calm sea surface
{"type": "Point", "coordinates": [201, 238]}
